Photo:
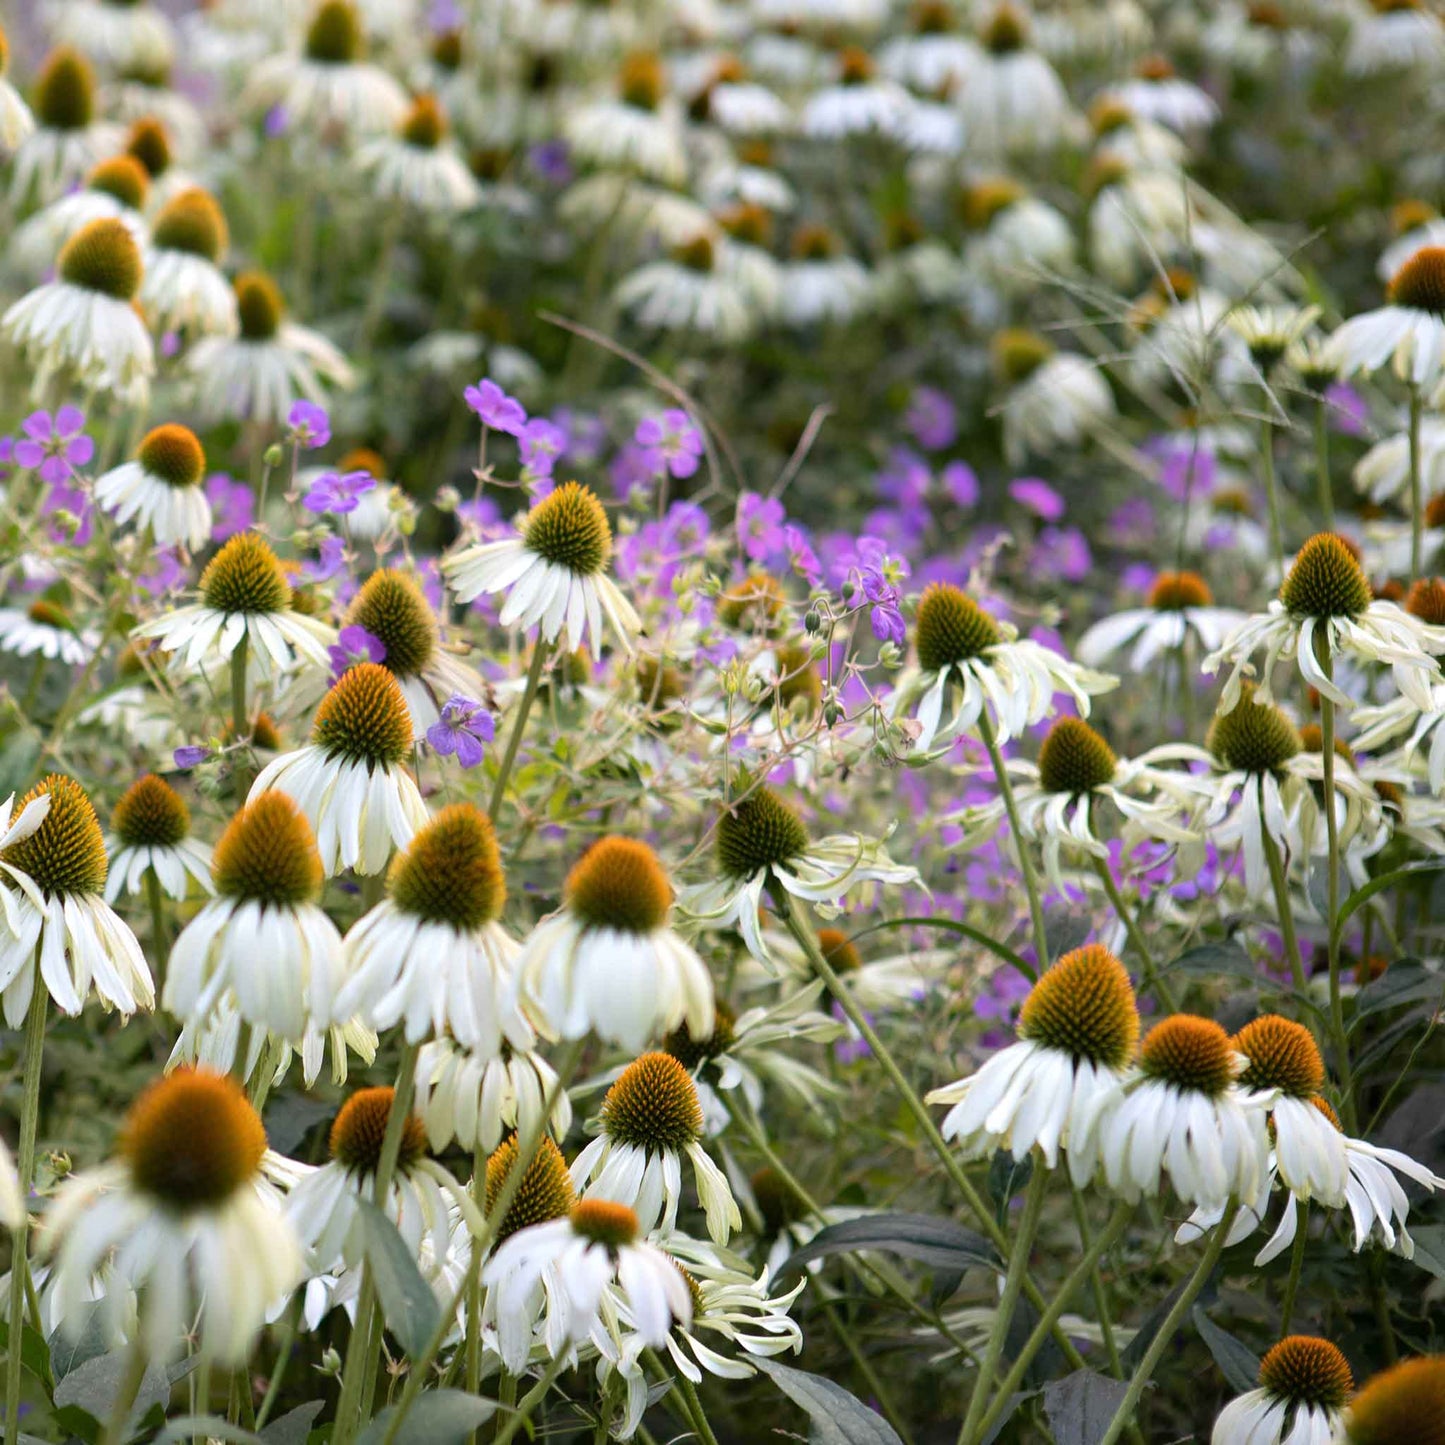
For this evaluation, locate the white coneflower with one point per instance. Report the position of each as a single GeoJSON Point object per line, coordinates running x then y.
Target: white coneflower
{"type": "Point", "coordinates": [115, 189]}
{"type": "Point", "coordinates": [161, 490]}
{"type": "Point", "coordinates": [1383, 473]}
{"type": "Point", "coordinates": [1182, 335]}
{"type": "Point", "coordinates": [1426, 599]}
{"type": "Point", "coordinates": [1326, 596]}
{"type": "Point", "coordinates": [1181, 609]}
{"type": "Point", "coordinates": [324, 1207]}
{"type": "Point", "coordinates": [418, 166]}
{"type": "Point", "coordinates": [739, 105]}
{"type": "Point", "coordinates": [126, 36]}
{"type": "Point", "coordinates": [63, 935]}
{"type": "Point", "coordinates": [1078, 1033]}
{"type": "Point", "coordinates": [244, 597]}
{"type": "Point", "coordinates": [651, 1117]}
{"type": "Point", "coordinates": [83, 324]}
{"type": "Point", "coordinates": [150, 832]}
{"type": "Point", "coordinates": [1016, 240]}
{"type": "Point", "coordinates": [432, 954]}
{"type": "Point", "coordinates": [16, 121]}
{"type": "Point", "coordinates": [554, 572]}
{"type": "Point", "coordinates": [473, 1101]}
{"type": "Point", "coordinates": [574, 1260]}
{"type": "Point", "coordinates": [263, 940]}
{"type": "Point", "coordinates": [1013, 102]}
{"type": "Point", "coordinates": [184, 289]}
{"type": "Point", "coordinates": [328, 85]}
{"type": "Point", "coordinates": [821, 284]}
{"type": "Point", "coordinates": [933, 57]}
{"type": "Point", "coordinates": [639, 131]}
{"type": "Point", "coordinates": [1269, 332]}
{"type": "Point", "coordinates": [967, 660]}
{"type": "Point", "coordinates": [1304, 1386]}
{"type": "Point", "coordinates": [1404, 1403]}
{"type": "Point", "coordinates": [1408, 332]}
{"type": "Point", "coordinates": [856, 102]}
{"type": "Point", "coordinates": [1184, 1115]}
{"type": "Point", "coordinates": [694, 290]}
{"type": "Point", "coordinates": [46, 629]}
{"type": "Point", "coordinates": [608, 960]}
{"type": "Point", "coordinates": [1400, 35]}
{"type": "Point", "coordinates": [1158, 94]}
{"type": "Point", "coordinates": [1054, 399]}
{"type": "Point", "coordinates": [761, 842]}
{"type": "Point", "coordinates": [351, 779]}
{"type": "Point", "coordinates": [66, 139]}
{"type": "Point", "coordinates": [183, 1224]}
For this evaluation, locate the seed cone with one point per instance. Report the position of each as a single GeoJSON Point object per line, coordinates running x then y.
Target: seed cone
{"type": "Point", "coordinates": [65, 91]}
{"type": "Point", "coordinates": [761, 831]}
{"type": "Point", "coordinates": [174, 454]}
{"type": "Point", "coordinates": [951, 627]}
{"type": "Point", "coordinates": [1253, 737]}
{"type": "Point", "coordinates": [1420, 282]}
{"type": "Point", "coordinates": [102, 256]}
{"type": "Point", "coordinates": [653, 1105]}
{"type": "Point", "coordinates": [1174, 591]}
{"type": "Point", "coordinates": [245, 576]}
{"type": "Point", "coordinates": [1189, 1052]}
{"type": "Point", "coordinates": [691, 1052]}
{"type": "Point", "coordinates": [570, 529]}
{"type": "Point", "coordinates": [1404, 1405]}
{"type": "Point", "coordinates": [1282, 1055]}
{"type": "Point", "coordinates": [1083, 1005]}
{"type": "Point", "coordinates": [268, 854]}
{"type": "Point", "coordinates": [392, 608]}
{"type": "Point", "coordinates": [1306, 1370]}
{"type": "Point", "coordinates": [544, 1193]}
{"type": "Point", "coordinates": [66, 853]}
{"type": "Point", "coordinates": [364, 718]}
{"type": "Point", "coordinates": [192, 222]}
{"type": "Point", "coordinates": [359, 1131]}
{"type": "Point", "coordinates": [1075, 759]}
{"type": "Point", "coordinates": [151, 814]}
{"type": "Point", "coordinates": [451, 872]}
{"type": "Point", "coordinates": [1326, 580]}
{"type": "Point", "coordinates": [619, 884]}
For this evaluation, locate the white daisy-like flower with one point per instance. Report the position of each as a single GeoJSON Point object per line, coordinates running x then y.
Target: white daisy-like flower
{"type": "Point", "coordinates": [119, 35]}
{"type": "Point", "coordinates": [1390, 35]}
{"type": "Point", "coordinates": [933, 57]}
{"type": "Point", "coordinates": [45, 629]}
{"type": "Point", "coordinates": [184, 1225]}
{"type": "Point", "coordinates": [1158, 94]}
{"type": "Point", "coordinates": [571, 1262]}
{"type": "Point", "coordinates": [1184, 1115]}
{"type": "Point", "coordinates": [83, 323]}
{"type": "Point", "coordinates": [263, 943]}
{"type": "Point", "coordinates": [418, 166]}
{"type": "Point", "coordinates": [64, 139]}
{"type": "Point", "coordinates": [1017, 240]}
{"type": "Point", "coordinates": [608, 960]}
{"type": "Point", "coordinates": [432, 955]}
{"type": "Point", "coordinates": [694, 291]}
{"type": "Point", "coordinates": [60, 933]}
{"type": "Point", "coordinates": [821, 285]}
{"type": "Point", "coordinates": [857, 102]}
{"type": "Point", "coordinates": [258, 374]}
{"type": "Point", "coordinates": [1181, 611]}
{"type": "Point", "coordinates": [1417, 225]}
{"type": "Point", "coordinates": [1078, 1032]}
{"type": "Point", "coordinates": [115, 189]}
{"type": "Point", "coordinates": [670, 218]}
{"type": "Point", "coordinates": [351, 779]}
{"type": "Point", "coordinates": [162, 490]}
{"type": "Point", "coordinates": [328, 84]}
{"type": "Point", "coordinates": [1012, 100]}
{"type": "Point", "coordinates": [741, 106]}
{"type": "Point", "coordinates": [16, 120]}
{"type": "Point", "coordinates": [969, 661]}
{"type": "Point", "coordinates": [1383, 473]}
{"type": "Point", "coordinates": [640, 131]}
{"type": "Point", "coordinates": [245, 599]}
{"type": "Point", "coordinates": [1270, 332]}
{"type": "Point", "coordinates": [1054, 399]}
{"type": "Point", "coordinates": [472, 1101]}
{"type": "Point", "coordinates": [151, 834]}
{"type": "Point", "coordinates": [554, 572]}
{"type": "Point", "coordinates": [1060, 799]}
{"type": "Point", "coordinates": [1304, 1385]}
{"type": "Point", "coordinates": [324, 1206]}
{"type": "Point", "coordinates": [761, 842]}
{"type": "Point", "coordinates": [1326, 601]}
{"type": "Point", "coordinates": [650, 1119]}
{"type": "Point", "coordinates": [1183, 337]}
{"type": "Point", "coordinates": [1408, 332]}
{"type": "Point", "coordinates": [184, 289]}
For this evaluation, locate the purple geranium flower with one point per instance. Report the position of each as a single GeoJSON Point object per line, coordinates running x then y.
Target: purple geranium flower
{"type": "Point", "coordinates": [232, 506]}
{"type": "Point", "coordinates": [497, 410]}
{"type": "Point", "coordinates": [461, 730]}
{"type": "Point", "coordinates": [55, 445]}
{"type": "Point", "coordinates": [331, 553]}
{"type": "Point", "coordinates": [192, 757]}
{"type": "Point", "coordinates": [165, 576]}
{"type": "Point", "coordinates": [309, 424]}
{"type": "Point", "coordinates": [542, 443]}
{"type": "Point", "coordinates": [961, 483]}
{"type": "Point", "coordinates": [1038, 496]}
{"type": "Point", "coordinates": [760, 525]}
{"type": "Point", "coordinates": [338, 492]}
{"type": "Point", "coordinates": [354, 645]}
{"type": "Point", "coordinates": [675, 441]}
{"type": "Point", "coordinates": [932, 419]}
{"type": "Point", "coordinates": [552, 161]}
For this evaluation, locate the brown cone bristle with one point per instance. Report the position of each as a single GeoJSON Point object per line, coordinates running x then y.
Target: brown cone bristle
{"type": "Point", "coordinates": [640, 80]}
{"type": "Point", "coordinates": [1174, 591]}
{"type": "Point", "coordinates": [1191, 1053]}
{"type": "Point", "coordinates": [1322, 1104]}
{"type": "Point", "coordinates": [363, 459]}
{"type": "Point", "coordinates": [364, 718]}
{"type": "Point", "coordinates": [425, 124]}
{"type": "Point", "coordinates": [1074, 759]}
{"type": "Point", "coordinates": [122, 177]}
{"type": "Point", "coordinates": [1306, 1370]}
{"type": "Point", "coordinates": [1282, 1055]}
{"type": "Point", "coordinates": [1420, 283]}
{"type": "Point", "coordinates": [1312, 740]}
{"type": "Point", "coordinates": [451, 871]}
{"type": "Point", "coordinates": [855, 66]}
{"type": "Point", "coordinates": [245, 576]}
{"type": "Point", "coordinates": [335, 36]}
{"type": "Point", "coordinates": [840, 951]}
{"type": "Point", "coordinates": [191, 1140]}
{"type": "Point", "coordinates": [759, 832]}
{"type": "Point", "coordinates": [358, 1132]}
{"type": "Point", "coordinates": [1326, 580]}
{"type": "Point", "coordinates": [813, 242]}
{"type": "Point", "coordinates": [1084, 1006]}
{"type": "Point", "coordinates": [569, 528]}
{"type": "Point", "coordinates": [653, 1106]}
{"type": "Point", "coordinates": [1426, 600]}
{"type": "Point", "coordinates": [1017, 354]}
{"type": "Point", "coordinates": [605, 1223]}
{"type": "Point", "coordinates": [951, 627]}
{"type": "Point", "coordinates": [174, 454]}
{"type": "Point", "coordinates": [268, 854]}
{"type": "Point", "coordinates": [259, 305]}
{"type": "Point", "coordinates": [544, 1193]}
{"type": "Point", "coordinates": [65, 91]}
{"type": "Point", "coordinates": [1253, 737]}
{"type": "Point", "coordinates": [151, 813]}
{"type": "Point", "coordinates": [66, 853]}
{"type": "Point", "coordinates": [692, 1053]}
{"type": "Point", "coordinates": [1404, 1405]}
{"type": "Point", "coordinates": [102, 256]}
{"type": "Point", "coordinates": [192, 222]}
{"type": "Point", "coordinates": [393, 608]}
{"type": "Point", "coordinates": [150, 145]}
{"type": "Point", "coordinates": [619, 884]}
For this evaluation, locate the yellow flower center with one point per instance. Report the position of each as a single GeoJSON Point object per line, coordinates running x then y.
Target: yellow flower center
{"type": "Point", "coordinates": [102, 256]}
{"type": "Point", "coordinates": [544, 1193]}
{"type": "Point", "coordinates": [245, 576]}
{"type": "Point", "coordinates": [1018, 354]}
{"type": "Point", "coordinates": [1282, 1055]}
{"type": "Point", "coordinates": [753, 605]}
{"type": "Point", "coordinates": [268, 854]}
{"type": "Point", "coordinates": [259, 305]}
{"type": "Point", "coordinates": [150, 145]}
{"type": "Point", "coordinates": [1006, 31]}
{"type": "Point", "coordinates": [691, 1053]}
{"type": "Point", "coordinates": [1075, 759]}
{"type": "Point", "coordinates": [1306, 1370]}
{"type": "Point", "coordinates": [699, 254]}
{"type": "Point", "coordinates": [1192, 1053]}
{"type": "Point", "coordinates": [151, 813]}
{"type": "Point", "coordinates": [364, 718]}
{"type": "Point", "coordinates": [1083, 1006]}
{"type": "Point", "coordinates": [65, 91]}
{"type": "Point", "coordinates": [815, 243]}
{"type": "Point", "coordinates": [1312, 740]}
{"type": "Point", "coordinates": [359, 1130]}
{"type": "Point", "coordinates": [1404, 1405]}
{"type": "Point", "coordinates": [855, 66]}
{"type": "Point", "coordinates": [1426, 600]}
{"type": "Point", "coordinates": [1253, 737]}
{"type": "Point", "coordinates": [122, 177]}
{"type": "Point", "coordinates": [932, 17]}
{"type": "Point", "coordinates": [174, 454]}
{"type": "Point", "coordinates": [983, 200]}
{"type": "Point", "coordinates": [653, 1106]}
{"type": "Point", "coordinates": [1174, 591]}
{"type": "Point", "coordinates": [619, 884]}
{"type": "Point", "coordinates": [66, 853]}
{"type": "Point", "coordinates": [192, 222]}
{"type": "Point", "coordinates": [192, 1140]}
{"type": "Point", "coordinates": [451, 872]}
{"type": "Point", "coordinates": [640, 80]}
{"type": "Point", "coordinates": [393, 609]}
{"type": "Point", "coordinates": [425, 124]}
{"type": "Point", "coordinates": [798, 678]}
{"type": "Point", "coordinates": [758, 833]}
{"type": "Point", "coordinates": [335, 36]}
{"type": "Point", "coordinates": [605, 1223]}
{"type": "Point", "coordinates": [1326, 580]}
{"type": "Point", "coordinates": [840, 950]}
{"type": "Point", "coordinates": [1420, 282]}
{"type": "Point", "coordinates": [951, 627]}
{"type": "Point", "coordinates": [570, 529]}
{"type": "Point", "coordinates": [50, 614]}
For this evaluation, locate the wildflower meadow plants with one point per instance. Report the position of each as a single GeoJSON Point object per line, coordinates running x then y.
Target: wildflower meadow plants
{"type": "Point", "coordinates": [722, 718]}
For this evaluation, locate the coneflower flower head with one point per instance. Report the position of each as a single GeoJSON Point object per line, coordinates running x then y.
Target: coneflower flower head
{"type": "Point", "coordinates": [1083, 1005]}
{"type": "Point", "coordinates": [336, 35]}
{"type": "Point", "coordinates": [359, 1130]}
{"type": "Point", "coordinates": [259, 305]}
{"type": "Point", "coordinates": [619, 884]}
{"type": "Point", "coordinates": [951, 627]}
{"type": "Point", "coordinates": [245, 576]}
{"type": "Point", "coordinates": [391, 607]}
{"type": "Point", "coordinates": [653, 1105]}
{"type": "Point", "coordinates": [1326, 580]}
{"type": "Point", "coordinates": [364, 719]}
{"type": "Point", "coordinates": [758, 832]}
{"type": "Point", "coordinates": [149, 143]}
{"type": "Point", "coordinates": [1307, 1370]}
{"type": "Point", "coordinates": [1404, 1405]}
{"type": "Point", "coordinates": [545, 1191]}
{"type": "Point", "coordinates": [452, 871]}
{"type": "Point", "coordinates": [174, 454]}
{"type": "Point", "coordinates": [193, 222]}
{"type": "Point", "coordinates": [151, 813]}
{"type": "Point", "coordinates": [66, 853]}
{"type": "Point", "coordinates": [1075, 759]}
{"type": "Point", "coordinates": [122, 177]}
{"type": "Point", "coordinates": [102, 256]}
{"type": "Point", "coordinates": [569, 529]}
{"type": "Point", "coordinates": [1253, 736]}
{"type": "Point", "coordinates": [267, 855]}
{"type": "Point", "coordinates": [64, 96]}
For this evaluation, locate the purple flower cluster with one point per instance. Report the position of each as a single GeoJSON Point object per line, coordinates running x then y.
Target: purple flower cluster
{"type": "Point", "coordinates": [54, 446]}
{"type": "Point", "coordinates": [464, 727]}
{"type": "Point", "coordinates": [338, 493]}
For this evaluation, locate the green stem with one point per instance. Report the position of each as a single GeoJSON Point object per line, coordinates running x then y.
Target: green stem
{"type": "Point", "coordinates": [1332, 888]}
{"type": "Point", "coordinates": [1124, 1415]}
{"type": "Point", "coordinates": [1136, 936]}
{"type": "Point", "coordinates": [1049, 1319]}
{"type": "Point", "coordinates": [1322, 463]}
{"type": "Point", "coordinates": [1096, 1285]}
{"type": "Point", "coordinates": [240, 721]}
{"type": "Point", "coordinates": [203, 1394]}
{"type": "Point", "coordinates": [530, 1401]}
{"type": "Point", "coordinates": [380, 280]}
{"type": "Point", "coordinates": [32, 689]}
{"type": "Point", "coordinates": [25, 1166]}
{"type": "Point", "coordinates": [283, 1358]}
{"type": "Point", "coordinates": [1282, 906]}
{"type": "Point", "coordinates": [1296, 1265]}
{"type": "Point", "coordinates": [1417, 519]}
{"type": "Point", "coordinates": [1026, 867]}
{"type": "Point", "coordinates": [1271, 491]}
{"type": "Point", "coordinates": [1008, 1302]}
{"type": "Point", "coordinates": [519, 726]}
{"type": "Point", "coordinates": [115, 1427]}
{"type": "Point", "coordinates": [156, 900]}
{"type": "Point", "coordinates": [685, 1387]}
{"type": "Point", "coordinates": [474, 1288]}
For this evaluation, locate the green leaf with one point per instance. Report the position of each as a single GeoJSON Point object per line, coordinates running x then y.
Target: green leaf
{"type": "Point", "coordinates": [1080, 1406]}
{"type": "Point", "coordinates": [1407, 981]}
{"type": "Point", "coordinates": [1362, 895]}
{"type": "Point", "coordinates": [407, 1302]}
{"type": "Point", "coordinates": [837, 1417]}
{"type": "Point", "coordinates": [1212, 959]}
{"type": "Point", "coordinates": [70, 1350]}
{"type": "Point", "coordinates": [939, 1243]}
{"type": "Point", "coordinates": [952, 925]}
{"type": "Point", "coordinates": [1237, 1362]}
{"type": "Point", "coordinates": [1430, 1248]}
{"type": "Point", "coordinates": [293, 1427]}
{"type": "Point", "coordinates": [93, 1386]}
{"type": "Point", "coordinates": [439, 1417]}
